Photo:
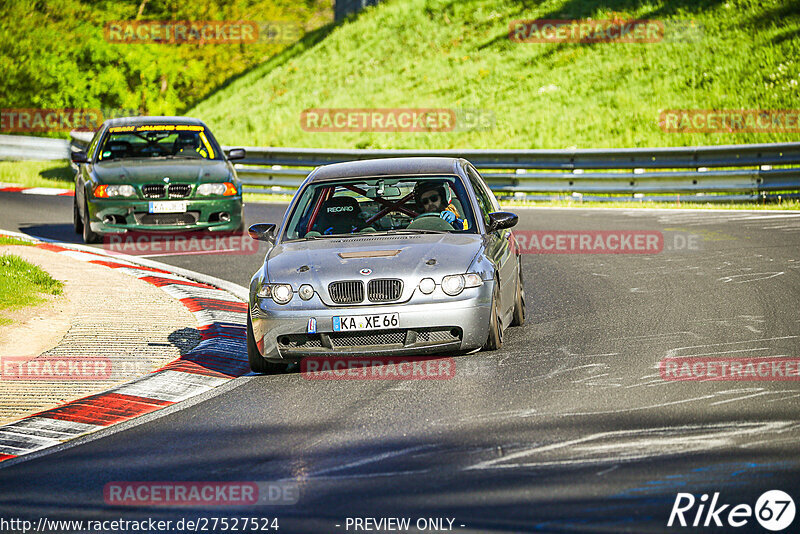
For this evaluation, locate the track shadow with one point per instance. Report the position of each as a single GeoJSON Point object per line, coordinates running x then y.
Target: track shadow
{"type": "Point", "coordinates": [60, 232]}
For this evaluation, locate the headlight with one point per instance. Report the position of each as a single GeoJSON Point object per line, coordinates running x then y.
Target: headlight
{"type": "Point", "coordinates": [472, 280]}
{"type": "Point", "coordinates": [427, 285]}
{"type": "Point", "coordinates": [223, 189]}
{"type": "Point", "coordinates": [455, 283]}
{"type": "Point", "coordinates": [305, 292]}
{"type": "Point", "coordinates": [280, 293]}
{"type": "Point", "coordinates": [109, 191]}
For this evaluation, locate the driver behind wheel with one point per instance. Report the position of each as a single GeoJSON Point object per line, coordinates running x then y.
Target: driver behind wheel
{"type": "Point", "coordinates": [435, 196]}
{"type": "Point", "coordinates": [188, 144]}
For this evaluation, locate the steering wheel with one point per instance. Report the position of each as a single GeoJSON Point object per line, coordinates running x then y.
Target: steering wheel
{"type": "Point", "coordinates": [427, 214]}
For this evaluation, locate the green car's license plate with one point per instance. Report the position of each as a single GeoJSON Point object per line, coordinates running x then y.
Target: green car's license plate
{"type": "Point", "coordinates": [169, 206]}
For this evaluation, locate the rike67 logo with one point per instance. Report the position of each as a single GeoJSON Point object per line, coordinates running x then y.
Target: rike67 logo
{"type": "Point", "coordinates": [774, 511]}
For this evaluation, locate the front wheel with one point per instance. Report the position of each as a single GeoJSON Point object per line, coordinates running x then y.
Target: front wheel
{"type": "Point", "coordinates": [77, 223]}
{"type": "Point", "coordinates": [257, 362]}
{"type": "Point", "coordinates": [519, 304]}
{"type": "Point", "coordinates": [495, 339]}
{"type": "Point", "coordinates": [88, 235]}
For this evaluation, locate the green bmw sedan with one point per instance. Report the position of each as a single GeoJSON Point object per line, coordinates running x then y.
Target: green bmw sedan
{"type": "Point", "coordinates": [155, 174]}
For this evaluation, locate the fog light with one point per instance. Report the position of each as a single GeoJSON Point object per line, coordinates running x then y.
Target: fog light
{"type": "Point", "coordinates": [224, 216]}
{"type": "Point", "coordinates": [305, 292]}
{"type": "Point", "coordinates": [427, 285]}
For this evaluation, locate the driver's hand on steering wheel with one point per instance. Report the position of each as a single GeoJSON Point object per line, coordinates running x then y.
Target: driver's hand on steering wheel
{"type": "Point", "coordinates": [448, 216]}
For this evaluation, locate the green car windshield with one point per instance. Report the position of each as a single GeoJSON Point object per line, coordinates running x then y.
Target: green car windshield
{"type": "Point", "coordinates": [158, 141]}
{"type": "Point", "coordinates": [429, 204]}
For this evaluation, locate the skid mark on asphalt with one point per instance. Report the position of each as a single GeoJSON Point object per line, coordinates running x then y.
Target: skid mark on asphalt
{"type": "Point", "coordinates": [688, 351]}
{"type": "Point", "coordinates": [635, 445]}
{"type": "Point", "coordinates": [749, 277]}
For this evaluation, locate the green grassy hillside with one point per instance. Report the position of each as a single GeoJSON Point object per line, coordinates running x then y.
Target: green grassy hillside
{"type": "Point", "coordinates": [456, 54]}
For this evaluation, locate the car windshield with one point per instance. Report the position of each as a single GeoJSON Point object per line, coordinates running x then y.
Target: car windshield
{"type": "Point", "coordinates": [430, 204]}
{"type": "Point", "coordinates": [158, 141]}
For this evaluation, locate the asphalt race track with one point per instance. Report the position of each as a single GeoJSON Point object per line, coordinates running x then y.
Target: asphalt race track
{"type": "Point", "coordinates": [568, 428]}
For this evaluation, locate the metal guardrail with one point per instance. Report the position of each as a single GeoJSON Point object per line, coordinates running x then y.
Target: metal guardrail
{"type": "Point", "coordinates": [741, 171]}
{"type": "Point", "coordinates": [25, 147]}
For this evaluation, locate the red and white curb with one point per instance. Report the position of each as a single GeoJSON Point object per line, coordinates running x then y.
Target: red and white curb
{"type": "Point", "coordinates": [49, 191]}
{"type": "Point", "coordinates": [220, 356]}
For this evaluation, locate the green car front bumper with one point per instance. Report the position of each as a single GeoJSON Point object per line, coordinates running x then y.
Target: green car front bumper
{"type": "Point", "coordinates": [116, 216]}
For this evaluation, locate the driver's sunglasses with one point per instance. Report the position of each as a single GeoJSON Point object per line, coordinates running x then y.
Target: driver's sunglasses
{"type": "Point", "coordinates": [433, 199]}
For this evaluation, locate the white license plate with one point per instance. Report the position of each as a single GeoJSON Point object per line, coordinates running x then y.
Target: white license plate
{"type": "Point", "coordinates": [378, 321]}
{"type": "Point", "coordinates": [170, 206]}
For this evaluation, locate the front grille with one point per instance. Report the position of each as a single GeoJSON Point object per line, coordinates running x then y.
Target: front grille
{"type": "Point", "coordinates": [190, 217]}
{"type": "Point", "coordinates": [348, 292]}
{"type": "Point", "coordinates": [154, 190]}
{"type": "Point", "coordinates": [179, 190]}
{"type": "Point", "coordinates": [362, 339]}
{"type": "Point", "coordinates": [384, 290]}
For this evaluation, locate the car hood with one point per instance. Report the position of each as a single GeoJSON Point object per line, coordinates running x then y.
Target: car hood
{"type": "Point", "coordinates": [408, 257]}
{"type": "Point", "coordinates": [177, 170]}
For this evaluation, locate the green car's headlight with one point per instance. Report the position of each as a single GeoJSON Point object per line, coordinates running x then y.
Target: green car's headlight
{"type": "Point", "coordinates": [111, 191]}
{"type": "Point", "coordinates": [222, 189]}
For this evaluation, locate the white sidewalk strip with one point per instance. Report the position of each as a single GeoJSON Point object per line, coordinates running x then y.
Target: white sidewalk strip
{"type": "Point", "coordinates": [184, 292]}
{"type": "Point", "coordinates": [49, 191]}
{"type": "Point", "coordinates": [50, 428]}
{"type": "Point", "coordinates": [209, 317]}
{"type": "Point", "coordinates": [171, 386]}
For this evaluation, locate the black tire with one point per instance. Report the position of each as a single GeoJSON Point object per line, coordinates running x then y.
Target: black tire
{"type": "Point", "coordinates": [257, 362]}
{"type": "Point", "coordinates": [88, 235]}
{"type": "Point", "coordinates": [495, 339]}
{"type": "Point", "coordinates": [77, 223]}
{"type": "Point", "coordinates": [519, 305]}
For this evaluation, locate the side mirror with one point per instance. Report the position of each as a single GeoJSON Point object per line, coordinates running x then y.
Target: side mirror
{"type": "Point", "coordinates": [79, 157]}
{"type": "Point", "coordinates": [500, 220]}
{"type": "Point", "coordinates": [236, 153]}
{"type": "Point", "coordinates": [262, 232]}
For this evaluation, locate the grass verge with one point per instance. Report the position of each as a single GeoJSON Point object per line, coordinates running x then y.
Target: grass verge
{"type": "Point", "coordinates": [6, 240]}
{"type": "Point", "coordinates": [37, 174]}
{"type": "Point", "coordinates": [23, 284]}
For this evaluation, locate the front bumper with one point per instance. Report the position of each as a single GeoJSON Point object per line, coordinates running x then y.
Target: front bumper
{"type": "Point", "coordinates": [133, 215]}
{"type": "Point", "coordinates": [460, 324]}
